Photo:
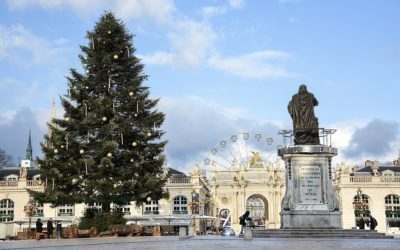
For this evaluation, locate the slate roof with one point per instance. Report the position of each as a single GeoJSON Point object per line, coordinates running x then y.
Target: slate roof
{"type": "Point", "coordinates": [174, 172]}
{"type": "Point", "coordinates": [368, 169]}
{"type": "Point", "coordinates": [9, 171]}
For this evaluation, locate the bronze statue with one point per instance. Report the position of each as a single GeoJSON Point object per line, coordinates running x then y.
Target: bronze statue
{"type": "Point", "coordinates": [305, 124]}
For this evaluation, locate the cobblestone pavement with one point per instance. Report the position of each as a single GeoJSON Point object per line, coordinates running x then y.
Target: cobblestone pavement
{"type": "Point", "coordinates": [203, 243]}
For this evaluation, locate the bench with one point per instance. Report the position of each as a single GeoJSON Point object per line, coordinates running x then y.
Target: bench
{"type": "Point", "coordinates": [85, 233]}
{"type": "Point", "coordinates": [120, 230]}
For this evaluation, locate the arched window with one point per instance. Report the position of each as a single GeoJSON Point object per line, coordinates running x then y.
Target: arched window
{"type": "Point", "coordinates": [150, 207]}
{"type": "Point", "coordinates": [258, 208]}
{"type": "Point", "coordinates": [180, 205]}
{"type": "Point", "coordinates": [361, 205]}
{"type": "Point", "coordinates": [6, 210]}
{"type": "Point", "coordinates": [392, 204]}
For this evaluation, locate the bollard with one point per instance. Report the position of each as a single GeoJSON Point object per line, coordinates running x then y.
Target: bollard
{"type": "Point", "coordinates": [192, 231]}
{"type": "Point", "coordinates": [248, 234]}
{"type": "Point", "coordinates": [182, 233]}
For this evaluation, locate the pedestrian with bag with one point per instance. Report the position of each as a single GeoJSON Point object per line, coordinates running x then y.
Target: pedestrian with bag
{"type": "Point", "coordinates": [242, 221]}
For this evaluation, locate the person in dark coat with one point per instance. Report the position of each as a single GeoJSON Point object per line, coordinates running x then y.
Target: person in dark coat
{"type": "Point", "coordinates": [372, 222]}
{"type": "Point", "coordinates": [39, 228]}
{"type": "Point", "coordinates": [50, 229]}
{"type": "Point", "coordinates": [58, 229]}
{"type": "Point", "coordinates": [361, 223]}
{"type": "Point", "coordinates": [242, 220]}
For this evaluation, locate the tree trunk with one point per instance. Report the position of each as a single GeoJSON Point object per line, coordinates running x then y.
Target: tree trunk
{"type": "Point", "coordinates": [105, 207]}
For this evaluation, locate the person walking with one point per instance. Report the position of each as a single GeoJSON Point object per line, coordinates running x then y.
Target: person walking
{"type": "Point", "coordinates": [39, 228]}
{"type": "Point", "coordinates": [242, 221]}
{"type": "Point", "coordinates": [50, 229]}
{"type": "Point", "coordinates": [372, 222]}
{"type": "Point", "coordinates": [58, 229]}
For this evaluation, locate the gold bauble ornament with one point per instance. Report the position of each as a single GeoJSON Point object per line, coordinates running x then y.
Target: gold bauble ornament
{"type": "Point", "coordinates": [87, 87]}
{"type": "Point", "coordinates": [104, 118]}
{"type": "Point", "coordinates": [109, 155]}
{"type": "Point", "coordinates": [131, 93]}
{"type": "Point", "coordinates": [74, 181]}
{"type": "Point", "coordinates": [62, 146]}
{"type": "Point", "coordinates": [67, 119]}
{"type": "Point", "coordinates": [55, 151]}
{"type": "Point", "coordinates": [148, 134]}
{"type": "Point", "coordinates": [87, 71]}
{"type": "Point", "coordinates": [81, 151]}
{"type": "Point", "coordinates": [148, 199]}
{"type": "Point", "coordinates": [115, 56]}
{"type": "Point", "coordinates": [134, 144]}
{"type": "Point", "coordinates": [109, 32]}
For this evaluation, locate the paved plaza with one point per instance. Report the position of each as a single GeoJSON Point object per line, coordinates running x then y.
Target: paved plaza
{"type": "Point", "coordinates": [202, 242]}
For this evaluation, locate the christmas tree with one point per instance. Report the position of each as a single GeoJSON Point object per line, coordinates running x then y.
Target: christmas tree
{"type": "Point", "coordinates": [107, 148]}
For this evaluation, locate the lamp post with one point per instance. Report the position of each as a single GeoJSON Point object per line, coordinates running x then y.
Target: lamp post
{"type": "Point", "coordinates": [194, 206]}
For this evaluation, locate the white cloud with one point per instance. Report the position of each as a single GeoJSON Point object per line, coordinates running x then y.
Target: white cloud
{"type": "Point", "coordinates": [346, 135]}
{"type": "Point", "coordinates": [213, 10]}
{"type": "Point", "coordinates": [191, 42]}
{"type": "Point", "coordinates": [158, 10]}
{"type": "Point", "coordinates": [194, 126]}
{"type": "Point", "coordinates": [160, 58]}
{"type": "Point", "coordinates": [259, 64]}
{"type": "Point", "coordinates": [20, 45]}
{"type": "Point", "coordinates": [236, 4]}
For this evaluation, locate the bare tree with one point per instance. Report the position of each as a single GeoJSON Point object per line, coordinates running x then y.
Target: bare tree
{"type": "Point", "coordinates": [6, 160]}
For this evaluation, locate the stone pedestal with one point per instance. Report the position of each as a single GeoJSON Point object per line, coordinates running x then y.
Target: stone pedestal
{"type": "Point", "coordinates": [248, 234]}
{"type": "Point", "coordinates": [309, 200]}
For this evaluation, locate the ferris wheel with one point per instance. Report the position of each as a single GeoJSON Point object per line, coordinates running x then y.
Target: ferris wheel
{"type": "Point", "coordinates": [240, 150]}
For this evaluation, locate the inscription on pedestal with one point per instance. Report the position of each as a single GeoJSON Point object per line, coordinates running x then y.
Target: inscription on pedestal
{"type": "Point", "coordinates": [310, 185]}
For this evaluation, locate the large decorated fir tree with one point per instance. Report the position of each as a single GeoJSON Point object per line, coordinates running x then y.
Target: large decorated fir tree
{"type": "Point", "coordinates": [107, 148]}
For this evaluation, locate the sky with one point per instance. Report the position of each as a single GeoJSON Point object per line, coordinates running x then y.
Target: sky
{"type": "Point", "coordinates": [221, 68]}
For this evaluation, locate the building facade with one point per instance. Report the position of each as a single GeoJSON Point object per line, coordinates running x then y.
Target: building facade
{"type": "Point", "coordinates": [257, 187]}
{"type": "Point", "coordinates": [254, 187]}
{"type": "Point", "coordinates": [373, 189]}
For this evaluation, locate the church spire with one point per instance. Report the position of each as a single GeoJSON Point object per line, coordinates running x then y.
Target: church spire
{"type": "Point", "coordinates": [29, 148]}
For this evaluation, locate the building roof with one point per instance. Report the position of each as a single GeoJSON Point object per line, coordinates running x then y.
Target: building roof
{"type": "Point", "coordinates": [368, 169]}
{"type": "Point", "coordinates": [174, 172]}
{"type": "Point", "coordinates": [4, 172]}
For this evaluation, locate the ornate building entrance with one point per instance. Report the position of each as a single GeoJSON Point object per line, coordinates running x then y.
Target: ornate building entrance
{"type": "Point", "coordinates": [258, 207]}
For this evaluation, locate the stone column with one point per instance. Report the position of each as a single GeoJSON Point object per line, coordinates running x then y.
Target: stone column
{"type": "Point", "coordinates": [309, 201]}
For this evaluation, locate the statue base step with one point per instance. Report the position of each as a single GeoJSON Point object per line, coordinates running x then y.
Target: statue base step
{"type": "Point", "coordinates": [319, 233]}
{"type": "Point", "coordinates": [311, 219]}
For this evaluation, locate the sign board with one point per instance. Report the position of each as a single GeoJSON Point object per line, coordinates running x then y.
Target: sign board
{"type": "Point", "coordinates": [310, 185]}
{"type": "Point", "coordinates": [25, 163]}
